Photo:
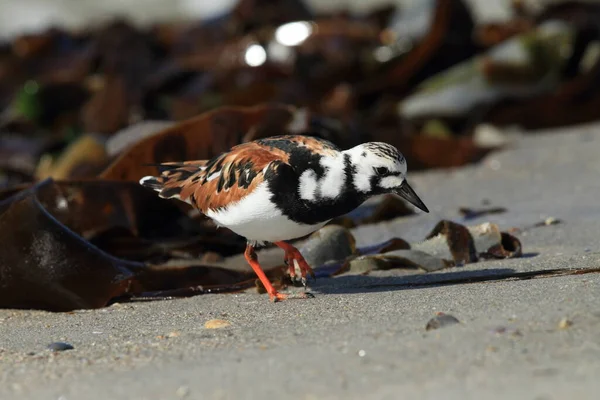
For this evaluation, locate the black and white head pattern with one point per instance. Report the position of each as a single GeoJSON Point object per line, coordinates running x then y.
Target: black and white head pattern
{"type": "Point", "coordinates": [369, 168]}
{"type": "Point", "coordinates": [377, 167]}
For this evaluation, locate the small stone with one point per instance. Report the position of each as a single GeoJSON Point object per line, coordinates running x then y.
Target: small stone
{"type": "Point", "coordinates": [564, 323]}
{"type": "Point", "coordinates": [60, 346]}
{"type": "Point", "coordinates": [362, 353]}
{"type": "Point", "coordinates": [173, 334]}
{"type": "Point", "coordinates": [551, 221]}
{"type": "Point", "coordinates": [441, 320]}
{"type": "Point", "coordinates": [182, 391]}
{"type": "Point", "coordinates": [216, 324]}
{"type": "Point", "coordinates": [501, 330]}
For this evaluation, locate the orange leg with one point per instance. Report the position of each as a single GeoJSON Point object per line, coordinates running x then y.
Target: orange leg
{"type": "Point", "coordinates": [293, 258]}
{"type": "Point", "coordinates": [274, 295]}
{"type": "Point", "coordinates": [252, 259]}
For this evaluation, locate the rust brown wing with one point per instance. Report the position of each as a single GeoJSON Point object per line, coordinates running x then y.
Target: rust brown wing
{"type": "Point", "coordinates": [289, 143]}
{"type": "Point", "coordinates": [212, 184]}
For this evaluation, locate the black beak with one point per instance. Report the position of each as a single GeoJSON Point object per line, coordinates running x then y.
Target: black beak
{"type": "Point", "coordinates": [408, 194]}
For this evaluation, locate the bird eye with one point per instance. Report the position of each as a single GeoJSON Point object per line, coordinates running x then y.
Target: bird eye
{"type": "Point", "coordinates": [381, 170]}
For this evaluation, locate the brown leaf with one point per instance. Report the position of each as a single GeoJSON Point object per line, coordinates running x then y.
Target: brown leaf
{"type": "Point", "coordinates": [198, 138]}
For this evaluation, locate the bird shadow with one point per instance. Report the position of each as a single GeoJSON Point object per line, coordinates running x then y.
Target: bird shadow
{"type": "Point", "coordinates": [370, 284]}
{"type": "Point", "coordinates": [531, 254]}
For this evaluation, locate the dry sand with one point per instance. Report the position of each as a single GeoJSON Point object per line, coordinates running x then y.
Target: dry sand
{"type": "Point", "coordinates": [365, 337]}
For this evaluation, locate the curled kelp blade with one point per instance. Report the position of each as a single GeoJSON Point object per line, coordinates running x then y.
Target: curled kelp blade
{"type": "Point", "coordinates": [464, 245]}
{"type": "Point", "coordinates": [399, 259]}
{"type": "Point", "coordinates": [179, 275]}
{"type": "Point", "coordinates": [490, 242]}
{"type": "Point", "coordinates": [92, 207]}
{"type": "Point", "coordinates": [449, 244]}
{"type": "Point", "coordinates": [127, 221]}
{"type": "Point", "coordinates": [451, 241]}
{"type": "Point", "coordinates": [46, 265]}
{"type": "Point", "coordinates": [509, 247]}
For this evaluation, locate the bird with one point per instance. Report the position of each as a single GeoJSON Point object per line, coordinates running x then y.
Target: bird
{"type": "Point", "coordinates": [280, 188]}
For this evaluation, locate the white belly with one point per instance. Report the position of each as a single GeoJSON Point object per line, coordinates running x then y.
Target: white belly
{"type": "Point", "coordinates": [256, 218]}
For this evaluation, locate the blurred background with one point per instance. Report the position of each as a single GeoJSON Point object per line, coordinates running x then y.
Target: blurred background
{"type": "Point", "coordinates": [446, 81]}
{"type": "Point", "coordinates": [31, 15]}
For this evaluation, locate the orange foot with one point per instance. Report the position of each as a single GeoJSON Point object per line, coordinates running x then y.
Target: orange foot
{"type": "Point", "coordinates": [274, 295]}
{"type": "Point", "coordinates": [294, 259]}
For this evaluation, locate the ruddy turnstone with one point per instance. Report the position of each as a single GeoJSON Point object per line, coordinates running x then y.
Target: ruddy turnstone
{"type": "Point", "coordinates": [282, 188]}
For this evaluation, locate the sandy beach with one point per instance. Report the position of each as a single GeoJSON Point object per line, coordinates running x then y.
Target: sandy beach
{"type": "Point", "coordinates": [528, 336]}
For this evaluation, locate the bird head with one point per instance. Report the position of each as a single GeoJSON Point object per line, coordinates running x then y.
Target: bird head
{"type": "Point", "coordinates": [379, 168]}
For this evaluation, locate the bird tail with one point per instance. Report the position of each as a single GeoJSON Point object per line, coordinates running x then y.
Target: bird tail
{"type": "Point", "coordinates": [172, 178]}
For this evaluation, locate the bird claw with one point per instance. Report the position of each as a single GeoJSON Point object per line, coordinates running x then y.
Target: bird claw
{"type": "Point", "coordinates": [277, 297]}
{"type": "Point", "coordinates": [295, 259]}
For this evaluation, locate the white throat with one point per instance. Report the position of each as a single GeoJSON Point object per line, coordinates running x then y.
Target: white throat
{"type": "Point", "coordinates": [329, 186]}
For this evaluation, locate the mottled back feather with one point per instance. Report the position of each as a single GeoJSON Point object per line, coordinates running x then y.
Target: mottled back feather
{"type": "Point", "coordinates": [212, 184]}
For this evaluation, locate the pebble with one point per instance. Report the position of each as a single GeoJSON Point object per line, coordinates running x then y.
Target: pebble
{"type": "Point", "coordinates": [441, 320]}
{"type": "Point", "coordinates": [564, 323]}
{"type": "Point", "coordinates": [501, 330]}
{"type": "Point", "coordinates": [59, 346]}
{"type": "Point", "coordinates": [216, 324]}
{"type": "Point", "coordinates": [551, 221]}
{"type": "Point", "coordinates": [328, 244]}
